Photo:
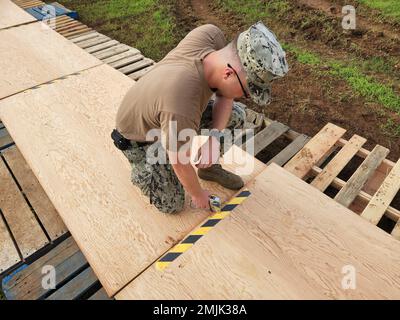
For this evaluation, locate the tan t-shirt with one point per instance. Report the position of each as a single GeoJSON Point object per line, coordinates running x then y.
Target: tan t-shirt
{"type": "Point", "coordinates": [175, 89]}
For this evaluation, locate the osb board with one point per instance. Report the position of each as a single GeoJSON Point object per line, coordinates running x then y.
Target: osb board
{"type": "Point", "coordinates": [286, 241]}
{"type": "Point", "coordinates": [63, 131]}
{"type": "Point", "coordinates": [33, 54]}
{"type": "Point", "coordinates": [11, 15]}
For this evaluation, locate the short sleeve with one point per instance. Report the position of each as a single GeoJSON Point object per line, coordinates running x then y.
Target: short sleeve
{"type": "Point", "coordinates": [176, 130]}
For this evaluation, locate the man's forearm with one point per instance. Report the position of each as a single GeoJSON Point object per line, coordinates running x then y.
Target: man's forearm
{"type": "Point", "coordinates": [188, 177]}
{"type": "Point", "coordinates": [221, 112]}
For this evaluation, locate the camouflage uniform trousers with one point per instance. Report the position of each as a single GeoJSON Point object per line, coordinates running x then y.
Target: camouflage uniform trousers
{"type": "Point", "coordinates": [158, 181]}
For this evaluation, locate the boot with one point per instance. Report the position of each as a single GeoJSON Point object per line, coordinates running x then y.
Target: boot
{"type": "Point", "coordinates": [224, 178]}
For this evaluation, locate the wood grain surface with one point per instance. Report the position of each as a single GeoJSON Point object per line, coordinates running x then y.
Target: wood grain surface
{"type": "Point", "coordinates": [11, 15]}
{"type": "Point", "coordinates": [65, 139]}
{"type": "Point", "coordinates": [33, 54]}
{"type": "Point", "coordinates": [286, 241]}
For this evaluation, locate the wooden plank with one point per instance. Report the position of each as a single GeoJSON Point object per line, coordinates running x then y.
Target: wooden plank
{"type": "Point", "coordinates": [11, 15]}
{"type": "Point", "coordinates": [38, 199]}
{"type": "Point", "coordinates": [92, 42]}
{"type": "Point", "coordinates": [68, 26]}
{"type": "Point", "coordinates": [268, 135]}
{"type": "Point", "coordinates": [73, 36]}
{"type": "Point", "coordinates": [26, 230]}
{"type": "Point", "coordinates": [286, 154]}
{"type": "Point", "coordinates": [336, 165]}
{"type": "Point", "coordinates": [76, 287]}
{"type": "Point", "coordinates": [383, 197]}
{"type": "Point", "coordinates": [396, 231]}
{"type": "Point", "coordinates": [316, 149]}
{"type": "Point", "coordinates": [138, 74]}
{"type": "Point", "coordinates": [66, 22]}
{"type": "Point", "coordinates": [103, 54]}
{"type": "Point", "coordinates": [122, 55]}
{"type": "Point", "coordinates": [66, 259]}
{"type": "Point", "coordinates": [85, 37]}
{"type": "Point", "coordinates": [8, 254]}
{"type": "Point", "coordinates": [287, 240]}
{"type": "Point", "coordinates": [100, 295]}
{"type": "Point", "coordinates": [89, 183]}
{"type": "Point", "coordinates": [136, 66]}
{"type": "Point", "coordinates": [353, 186]}
{"type": "Point", "coordinates": [5, 138]}
{"type": "Point", "coordinates": [102, 46]}
{"type": "Point", "coordinates": [21, 71]}
{"type": "Point", "coordinates": [362, 198]}
{"type": "Point", "coordinates": [75, 30]}
{"type": "Point", "coordinates": [126, 61]}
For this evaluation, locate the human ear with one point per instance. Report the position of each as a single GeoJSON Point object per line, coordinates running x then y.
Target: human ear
{"type": "Point", "coordinates": [227, 73]}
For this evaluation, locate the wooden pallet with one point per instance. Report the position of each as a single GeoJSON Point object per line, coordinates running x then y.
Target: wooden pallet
{"type": "Point", "coordinates": [371, 188]}
{"type": "Point", "coordinates": [74, 279]}
{"type": "Point", "coordinates": [28, 220]}
{"type": "Point", "coordinates": [25, 4]}
{"type": "Point", "coordinates": [124, 58]}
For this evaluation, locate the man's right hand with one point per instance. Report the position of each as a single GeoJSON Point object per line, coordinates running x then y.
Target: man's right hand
{"type": "Point", "coordinates": [202, 201]}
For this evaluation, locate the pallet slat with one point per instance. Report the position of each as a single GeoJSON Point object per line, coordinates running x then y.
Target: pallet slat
{"type": "Point", "coordinates": [85, 37]}
{"type": "Point", "coordinates": [383, 197]}
{"type": "Point", "coordinates": [77, 32]}
{"type": "Point", "coordinates": [268, 135]}
{"type": "Point", "coordinates": [353, 186]}
{"type": "Point", "coordinates": [126, 61]}
{"type": "Point", "coordinates": [333, 168]}
{"type": "Point", "coordinates": [290, 151]}
{"type": "Point", "coordinates": [122, 55]}
{"type": "Point", "coordinates": [396, 230]}
{"type": "Point", "coordinates": [26, 230]}
{"type": "Point", "coordinates": [66, 258]}
{"type": "Point", "coordinates": [103, 54]}
{"type": "Point", "coordinates": [5, 138]}
{"type": "Point", "coordinates": [33, 190]}
{"type": "Point", "coordinates": [136, 66]}
{"type": "Point", "coordinates": [102, 46]}
{"type": "Point", "coordinates": [100, 295]}
{"type": "Point", "coordinates": [8, 254]}
{"type": "Point", "coordinates": [138, 74]}
{"type": "Point", "coordinates": [315, 150]}
{"type": "Point", "coordinates": [92, 42]}
{"type": "Point", "coordinates": [76, 287]}
{"type": "Point", "coordinates": [73, 36]}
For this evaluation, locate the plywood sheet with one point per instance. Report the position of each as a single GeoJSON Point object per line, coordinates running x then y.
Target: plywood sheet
{"type": "Point", "coordinates": [287, 240]}
{"type": "Point", "coordinates": [12, 15]}
{"type": "Point", "coordinates": [33, 54]}
{"type": "Point", "coordinates": [65, 139]}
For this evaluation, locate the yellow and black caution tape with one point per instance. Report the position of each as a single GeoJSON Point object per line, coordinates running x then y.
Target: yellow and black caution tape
{"type": "Point", "coordinates": [194, 236]}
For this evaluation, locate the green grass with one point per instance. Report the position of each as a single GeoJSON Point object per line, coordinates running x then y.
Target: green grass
{"type": "Point", "coordinates": [147, 25]}
{"type": "Point", "coordinates": [366, 86]}
{"type": "Point", "coordinates": [389, 8]}
{"type": "Point", "coordinates": [361, 84]}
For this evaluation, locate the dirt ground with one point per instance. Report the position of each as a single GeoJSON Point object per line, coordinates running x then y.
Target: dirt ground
{"type": "Point", "coordinates": [306, 100]}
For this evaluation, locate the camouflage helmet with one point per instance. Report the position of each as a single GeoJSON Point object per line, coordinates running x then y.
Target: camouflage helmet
{"type": "Point", "coordinates": [263, 59]}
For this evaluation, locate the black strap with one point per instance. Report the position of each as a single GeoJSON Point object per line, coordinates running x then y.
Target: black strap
{"type": "Point", "coordinates": [119, 141]}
